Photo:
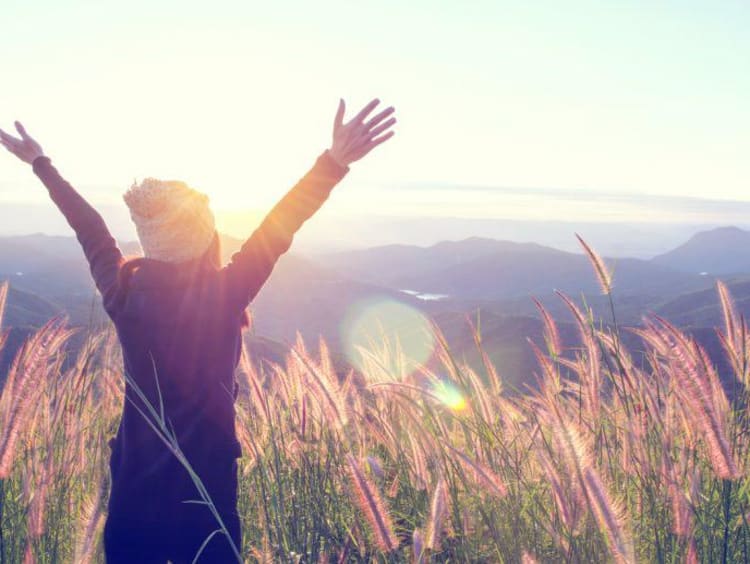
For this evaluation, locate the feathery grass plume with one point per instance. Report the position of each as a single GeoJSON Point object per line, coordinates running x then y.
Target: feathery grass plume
{"type": "Point", "coordinates": [630, 460]}
{"type": "Point", "coordinates": [367, 498]}
{"type": "Point", "coordinates": [721, 402]}
{"type": "Point", "coordinates": [394, 487]}
{"type": "Point", "coordinates": [589, 375]}
{"type": "Point", "coordinates": [438, 512]}
{"type": "Point", "coordinates": [444, 355]}
{"type": "Point", "coordinates": [603, 276]}
{"type": "Point", "coordinates": [483, 475]}
{"type": "Point", "coordinates": [570, 443]}
{"type": "Point", "coordinates": [7, 395]}
{"type": "Point", "coordinates": [683, 504]}
{"type": "Point", "coordinates": [618, 355]}
{"type": "Point", "coordinates": [258, 395]}
{"type": "Point", "coordinates": [39, 499]}
{"type": "Point", "coordinates": [587, 369]}
{"type": "Point", "coordinates": [28, 554]}
{"type": "Point", "coordinates": [303, 417]}
{"type": "Point", "coordinates": [392, 387]}
{"type": "Point", "coordinates": [583, 326]}
{"type": "Point", "coordinates": [569, 515]}
{"type": "Point", "coordinates": [417, 543]}
{"type": "Point", "coordinates": [608, 515]}
{"type": "Point", "coordinates": [3, 297]}
{"type": "Point", "coordinates": [242, 431]}
{"type": "Point", "coordinates": [326, 364]}
{"type": "Point", "coordinates": [527, 558]}
{"type": "Point", "coordinates": [34, 359]}
{"type": "Point", "coordinates": [695, 387]}
{"type": "Point", "coordinates": [681, 511]}
{"type": "Point", "coordinates": [494, 378]}
{"type": "Point", "coordinates": [91, 521]}
{"type": "Point", "coordinates": [551, 334]}
{"type": "Point", "coordinates": [548, 367]}
{"type": "Point", "coordinates": [335, 405]}
{"type": "Point", "coordinates": [480, 396]}
{"type": "Point", "coordinates": [420, 476]}
{"type": "Point", "coordinates": [732, 321]}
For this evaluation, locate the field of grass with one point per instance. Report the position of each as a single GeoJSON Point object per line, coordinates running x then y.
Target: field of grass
{"type": "Point", "coordinates": [620, 455]}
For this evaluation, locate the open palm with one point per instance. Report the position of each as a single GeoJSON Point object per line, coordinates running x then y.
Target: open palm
{"type": "Point", "coordinates": [25, 148]}
{"type": "Point", "coordinates": [354, 139]}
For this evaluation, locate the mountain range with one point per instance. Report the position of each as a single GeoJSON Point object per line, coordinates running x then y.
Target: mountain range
{"type": "Point", "coordinates": [447, 282]}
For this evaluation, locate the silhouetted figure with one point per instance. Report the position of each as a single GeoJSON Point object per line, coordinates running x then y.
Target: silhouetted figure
{"type": "Point", "coordinates": [179, 317]}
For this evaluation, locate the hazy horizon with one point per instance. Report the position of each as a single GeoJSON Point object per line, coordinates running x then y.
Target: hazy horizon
{"type": "Point", "coordinates": [637, 236]}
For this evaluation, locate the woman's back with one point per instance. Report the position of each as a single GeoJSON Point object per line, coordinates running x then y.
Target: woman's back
{"type": "Point", "coordinates": [181, 341]}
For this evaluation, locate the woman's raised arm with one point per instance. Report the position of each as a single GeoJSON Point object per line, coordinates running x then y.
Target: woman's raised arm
{"type": "Point", "coordinates": [100, 248]}
{"type": "Point", "coordinates": [252, 264]}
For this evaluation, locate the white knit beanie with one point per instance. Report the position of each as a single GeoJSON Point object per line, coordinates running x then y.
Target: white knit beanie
{"type": "Point", "coordinates": [173, 221]}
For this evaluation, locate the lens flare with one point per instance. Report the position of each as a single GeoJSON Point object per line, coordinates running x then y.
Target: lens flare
{"type": "Point", "coordinates": [450, 395]}
{"type": "Point", "coordinates": [386, 339]}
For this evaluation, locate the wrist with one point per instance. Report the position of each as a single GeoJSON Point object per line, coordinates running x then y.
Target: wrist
{"type": "Point", "coordinates": [337, 158]}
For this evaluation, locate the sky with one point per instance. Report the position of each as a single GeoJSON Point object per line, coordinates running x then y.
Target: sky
{"type": "Point", "coordinates": [613, 99]}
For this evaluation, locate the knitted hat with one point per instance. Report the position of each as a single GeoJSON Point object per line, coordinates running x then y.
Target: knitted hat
{"type": "Point", "coordinates": [173, 221]}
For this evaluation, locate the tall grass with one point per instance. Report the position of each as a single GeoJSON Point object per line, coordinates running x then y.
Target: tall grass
{"type": "Point", "coordinates": [617, 455]}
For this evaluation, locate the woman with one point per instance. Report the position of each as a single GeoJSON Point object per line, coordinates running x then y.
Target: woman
{"type": "Point", "coordinates": [179, 317]}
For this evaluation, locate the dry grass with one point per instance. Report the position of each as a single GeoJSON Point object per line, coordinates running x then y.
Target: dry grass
{"type": "Point", "coordinates": [617, 456]}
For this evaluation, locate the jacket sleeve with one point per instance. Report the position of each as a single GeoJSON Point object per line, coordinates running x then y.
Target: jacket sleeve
{"type": "Point", "coordinates": [100, 248]}
{"type": "Point", "coordinates": [251, 266]}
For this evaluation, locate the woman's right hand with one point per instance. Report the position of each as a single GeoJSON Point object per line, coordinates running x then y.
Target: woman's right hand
{"type": "Point", "coordinates": [353, 140]}
{"type": "Point", "coordinates": [25, 148]}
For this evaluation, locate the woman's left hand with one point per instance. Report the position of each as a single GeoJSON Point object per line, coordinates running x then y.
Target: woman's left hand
{"type": "Point", "coordinates": [354, 139]}
{"type": "Point", "coordinates": [24, 148]}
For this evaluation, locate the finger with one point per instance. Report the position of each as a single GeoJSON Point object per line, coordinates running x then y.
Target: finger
{"type": "Point", "coordinates": [378, 140]}
{"type": "Point", "coordinates": [9, 139]}
{"type": "Point", "coordinates": [8, 146]}
{"type": "Point", "coordinates": [365, 149]}
{"type": "Point", "coordinates": [380, 117]}
{"type": "Point", "coordinates": [364, 112]}
{"type": "Point", "coordinates": [22, 130]}
{"type": "Point", "coordinates": [339, 119]}
{"type": "Point", "coordinates": [381, 128]}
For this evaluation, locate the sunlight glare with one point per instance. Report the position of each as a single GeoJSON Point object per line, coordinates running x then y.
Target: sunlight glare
{"type": "Point", "coordinates": [450, 395]}
{"type": "Point", "coordinates": [385, 337]}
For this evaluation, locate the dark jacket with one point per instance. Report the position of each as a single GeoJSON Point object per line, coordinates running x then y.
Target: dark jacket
{"type": "Point", "coordinates": [180, 325]}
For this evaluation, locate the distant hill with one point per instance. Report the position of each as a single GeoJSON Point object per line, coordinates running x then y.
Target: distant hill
{"type": "Point", "coordinates": [702, 308]}
{"type": "Point", "coordinates": [389, 263]}
{"type": "Point", "coordinates": [303, 296]}
{"type": "Point", "coordinates": [721, 251]}
{"type": "Point", "coordinates": [485, 269]}
{"type": "Point", "coordinates": [27, 310]}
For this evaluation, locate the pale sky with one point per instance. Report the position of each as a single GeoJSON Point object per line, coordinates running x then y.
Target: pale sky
{"type": "Point", "coordinates": [237, 97]}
